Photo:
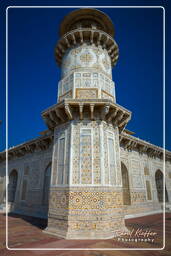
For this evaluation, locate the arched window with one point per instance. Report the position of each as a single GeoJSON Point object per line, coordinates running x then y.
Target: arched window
{"type": "Point", "coordinates": [159, 186]}
{"type": "Point", "coordinates": [125, 184]}
{"type": "Point", "coordinates": [2, 190]}
{"type": "Point", "coordinates": [12, 186]}
{"type": "Point", "coordinates": [46, 185]}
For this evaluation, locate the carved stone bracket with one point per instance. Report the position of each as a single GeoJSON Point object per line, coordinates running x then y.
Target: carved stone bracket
{"type": "Point", "coordinates": [92, 111]}
{"type": "Point", "coordinates": [93, 36]}
{"type": "Point", "coordinates": [105, 111]}
{"type": "Point", "coordinates": [59, 114]}
{"type": "Point", "coordinates": [112, 115]}
{"type": "Point", "coordinates": [68, 111]}
{"type": "Point", "coordinates": [81, 105]}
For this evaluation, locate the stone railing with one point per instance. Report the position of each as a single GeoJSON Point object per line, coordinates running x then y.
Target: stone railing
{"type": "Point", "coordinates": [68, 86]}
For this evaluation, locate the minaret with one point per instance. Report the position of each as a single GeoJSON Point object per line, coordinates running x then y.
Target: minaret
{"type": "Point", "coordinates": [86, 200]}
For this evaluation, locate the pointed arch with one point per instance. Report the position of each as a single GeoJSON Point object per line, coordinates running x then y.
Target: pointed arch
{"type": "Point", "coordinates": [46, 185]}
{"type": "Point", "coordinates": [125, 185]}
{"type": "Point", "coordinates": [159, 186]}
{"type": "Point", "coordinates": [12, 186]}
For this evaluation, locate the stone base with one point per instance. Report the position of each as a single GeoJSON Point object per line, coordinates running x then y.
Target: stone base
{"type": "Point", "coordinates": [85, 213]}
{"type": "Point", "coordinates": [80, 236]}
{"type": "Point", "coordinates": [89, 229]}
{"type": "Point", "coordinates": [91, 235]}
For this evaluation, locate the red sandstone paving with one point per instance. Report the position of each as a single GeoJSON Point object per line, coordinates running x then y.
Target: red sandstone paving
{"type": "Point", "coordinates": [26, 232]}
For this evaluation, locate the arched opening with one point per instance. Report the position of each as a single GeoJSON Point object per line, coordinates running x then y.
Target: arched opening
{"type": "Point", "coordinates": [159, 186]}
{"type": "Point", "coordinates": [12, 186]}
{"type": "Point", "coordinates": [46, 185]}
{"type": "Point", "coordinates": [2, 190]}
{"type": "Point", "coordinates": [125, 184]}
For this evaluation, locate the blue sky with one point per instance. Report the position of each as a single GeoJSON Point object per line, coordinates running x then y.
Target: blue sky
{"type": "Point", "coordinates": [33, 74]}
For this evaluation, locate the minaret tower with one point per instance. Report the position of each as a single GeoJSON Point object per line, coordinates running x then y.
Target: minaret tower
{"type": "Point", "coordinates": [86, 187]}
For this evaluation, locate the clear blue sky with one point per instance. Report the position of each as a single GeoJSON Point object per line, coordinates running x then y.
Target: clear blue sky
{"type": "Point", "coordinates": [34, 75]}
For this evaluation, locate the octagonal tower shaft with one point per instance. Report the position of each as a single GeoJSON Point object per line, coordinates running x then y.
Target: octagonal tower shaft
{"type": "Point", "coordinates": [86, 189]}
{"type": "Point", "coordinates": [86, 54]}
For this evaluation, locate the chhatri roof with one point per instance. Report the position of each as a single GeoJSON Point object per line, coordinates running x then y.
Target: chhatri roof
{"type": "Point", "coordinates": [82, 15]}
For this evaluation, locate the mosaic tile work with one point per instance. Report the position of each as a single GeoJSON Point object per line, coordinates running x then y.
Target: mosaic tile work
{"type": "Point", "coordinates": [87, 152]}
{"type": "Point", "coordinates": [97, 168]}
{"type": "Point", "coordinates": [106, 164]}
{"type": "Point", "coordinates": [112, 166]}
{"type": "Point", "coordinates": [97, 210]}
{"type": "Point", "coordinates": [86, 156]}
{"type": "Point", "coordinates": [76, 153]}
{"type": "Point", "coordinates": [86, 94]}
{"type": "Point", "coordinates": [83, 144]}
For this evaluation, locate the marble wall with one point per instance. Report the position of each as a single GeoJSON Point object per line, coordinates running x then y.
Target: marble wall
{"type": "Point", "coordinates": [96, 139]}
{"type": "Point", "coordinates": [86, 153]}
{"type": "Point", "coordinates": [86, 56]}
{"type": "Point", "coordinates": [143, 189]}
{"type": "Point", "coordinates": [29, 191]}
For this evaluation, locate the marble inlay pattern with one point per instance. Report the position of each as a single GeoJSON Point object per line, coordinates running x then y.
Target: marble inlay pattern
{"type": "Point", "coordinates": [86, 56]}
{"type": "Point", "coordinates": [86, 156]}
{"type": "Point", "coordinates": [104, 86]}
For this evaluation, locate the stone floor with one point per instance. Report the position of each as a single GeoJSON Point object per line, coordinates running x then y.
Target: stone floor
{"type": "Point", "coordinates": [26, 232]}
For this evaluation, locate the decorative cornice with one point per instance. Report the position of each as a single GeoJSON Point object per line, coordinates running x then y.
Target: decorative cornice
{"type": "Point", "coordinates": [40, 143]}
{"type": "Point", "coordinates": [98, 109]}
{"type": "Point", "coordinates": [129, 142]}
